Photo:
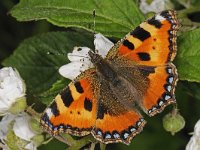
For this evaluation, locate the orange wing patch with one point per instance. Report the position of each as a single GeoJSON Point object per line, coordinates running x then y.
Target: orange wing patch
{"type": "Point", "coordinates": [119, 128]}
{"type": "Point", "coordinates": [160, 92]}
{"type": "Point", "coordinates": [153, 42]}
{"type": "Point", "coordinates": [73, 111]}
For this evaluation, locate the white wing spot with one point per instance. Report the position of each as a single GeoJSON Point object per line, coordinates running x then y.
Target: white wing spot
{"type": "Point", "coordinates": [169, 87]}
{"type": "Point", "coordinates": [160, 103]}
{"type": "Point", "coordinates": [133, 130]}
{"type": "Point", "coordinates": [99, 133]}
{"type": "Point", "coordinates": [169, 70]}
{"type": "Point", "coordinates": [154, 108]}
{"type": "Point", "coordinates": [159, 17]}
{"type": "Point", "coordinates": [116, 136]}
{"type": "Point", "coordinates": [170, 79]}
{"type": "Point", "coordinates": [167, 97]}
{"type": "Point", "coordinates": [138, 123]}
{"type": "Point", "coordinates": [126, 135]}
{"type": "Point", "coordinates": [108, 136]}
{"type": "Point", "coordinates": [49, 112]}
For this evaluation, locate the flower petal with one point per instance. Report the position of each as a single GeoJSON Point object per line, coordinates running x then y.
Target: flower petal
{"type": "Point", "coordinates": [79, 53]}
{"type": "Point", "coordinates": [194, 143]}
{"type": "Point", "coordinates": [80, 61]}
{"type": "Point", "coordinates": [4, 124]}
{"type": "Point", "coordinates": [102, 44]}
{"type": "Point", "coordinates": [73, 69]}
{"type": "Point", "coordinates": [30, 146]}
{"type": "Point", "coordinates": [21, 127]}
{"type": "Point", "coordinates": [11, 88]}
{"type": "Point", "coordinates": [155, 6]}
{"type": "Point", "coordinates": [197, 129]}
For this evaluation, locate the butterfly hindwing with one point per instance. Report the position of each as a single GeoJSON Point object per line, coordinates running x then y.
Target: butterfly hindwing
{"type": "Point", "coordinates": [115, 122]}
{"type": "Point", "coordinates": [161, 86]}
{"type": "Point", "coordinates": [74, 109]}
{"type": "Point", "coordinates": [118, 128]}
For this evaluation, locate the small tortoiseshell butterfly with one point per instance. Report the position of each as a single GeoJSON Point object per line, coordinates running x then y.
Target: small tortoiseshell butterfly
{"type": "Point", "coordinates": [137, 74]}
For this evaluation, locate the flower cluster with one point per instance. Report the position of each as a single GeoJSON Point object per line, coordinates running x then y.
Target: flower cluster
{"type": "Point", "coordinates": [156, 6]}
{"type": "Point", "coordinates": [14, 125]}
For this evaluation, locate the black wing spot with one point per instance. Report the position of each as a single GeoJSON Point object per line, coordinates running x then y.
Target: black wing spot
{"type": "Point", "coordinates": [128, 44]}
{"type": "Point", "coordinates": [146, 70]}
{"type": "Point", "coordinates": [165, 14]}
{"type": "Point", "coordinates": [101, 111]}
{"type": "Point", "coordinates": [144, 56]}
{"type": "Point", "coordinates": [155, 23]}
{"type": "Point", "coordinates": [45, 117]}
{"type": "Point", "coordinates": [54, 109]}
{"type": "Point", "coordinates": [67, 97]}
{"type": "Point", "coordinates": [88, 104]}
{"type": "Point", "coordinates": [79, 87]}
{"type": "Point", "coordinates": [140, 33]}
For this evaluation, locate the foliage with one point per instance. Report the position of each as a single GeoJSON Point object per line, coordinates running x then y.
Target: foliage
{"type": "Point", "coordinates": [113, 19]}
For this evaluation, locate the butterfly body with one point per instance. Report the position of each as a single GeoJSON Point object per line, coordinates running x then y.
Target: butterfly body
{"type": "Point", "coordinates": [136, 74]}
{"type": "Point", "coordinates": [118, 79]}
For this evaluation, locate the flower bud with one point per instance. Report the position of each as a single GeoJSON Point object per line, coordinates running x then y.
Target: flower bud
{"type": "Point", "coordinates": [173, 122]}
{"type": "Point", "coordinates": [34, 125]}
{"type": "Point", "coordinates": [38, 139]}
{"type": "Point", "coordinates": [14, 142]}
{"type": "Point", "coordinates": [18, 106]}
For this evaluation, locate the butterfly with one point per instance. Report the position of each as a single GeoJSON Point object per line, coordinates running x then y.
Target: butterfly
{"type": "Point", "coordinates": [136, 75]}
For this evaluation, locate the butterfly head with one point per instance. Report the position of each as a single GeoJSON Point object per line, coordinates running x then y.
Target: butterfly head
{"type": "Point", "coordinates": [95, 58]}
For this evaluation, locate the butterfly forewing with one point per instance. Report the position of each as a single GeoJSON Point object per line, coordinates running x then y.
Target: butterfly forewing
{"type": "Point", "coordinates": [74, 109]}
{"type": "Point", "coordinates": [152, 43]}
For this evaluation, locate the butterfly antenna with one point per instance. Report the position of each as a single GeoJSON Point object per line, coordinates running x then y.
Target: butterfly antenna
{"type": "Point", "coordinates": [56, 54]}
{"type": "Point", "coordinates": [94, 15]}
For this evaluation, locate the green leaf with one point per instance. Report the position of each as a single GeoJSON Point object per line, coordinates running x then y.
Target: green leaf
{"type": "Point", "coordinates": [48, 95]}
{"type": "Point", "coordinates": [192, 89]}
{"type": "Point", "coordinates": [195, 2]}
{"type": "Point", "coordinates": [188, 58]}
{"type": "Point", "coordinates": [113, 18]}
{"type": "Point", "coordinates": [37, 68]}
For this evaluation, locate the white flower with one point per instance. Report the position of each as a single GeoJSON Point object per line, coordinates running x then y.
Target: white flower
{"type": "Point", "coordinates": [30, 146]}
{"type": "Point", "coordinates": [20, 127]}
{"type": "Point", "coordinates": [11, 88]}
{"type": "Point", "coordinates": [80, 61]}
{"type": "Point", "coordinates": [194, 143]}
{"type": "Point", "coordinates": [155, 6]}
{"type": "Point", "coordinates": [102, 44]}
{"type": "Point", "coordinates": [4, 125]}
